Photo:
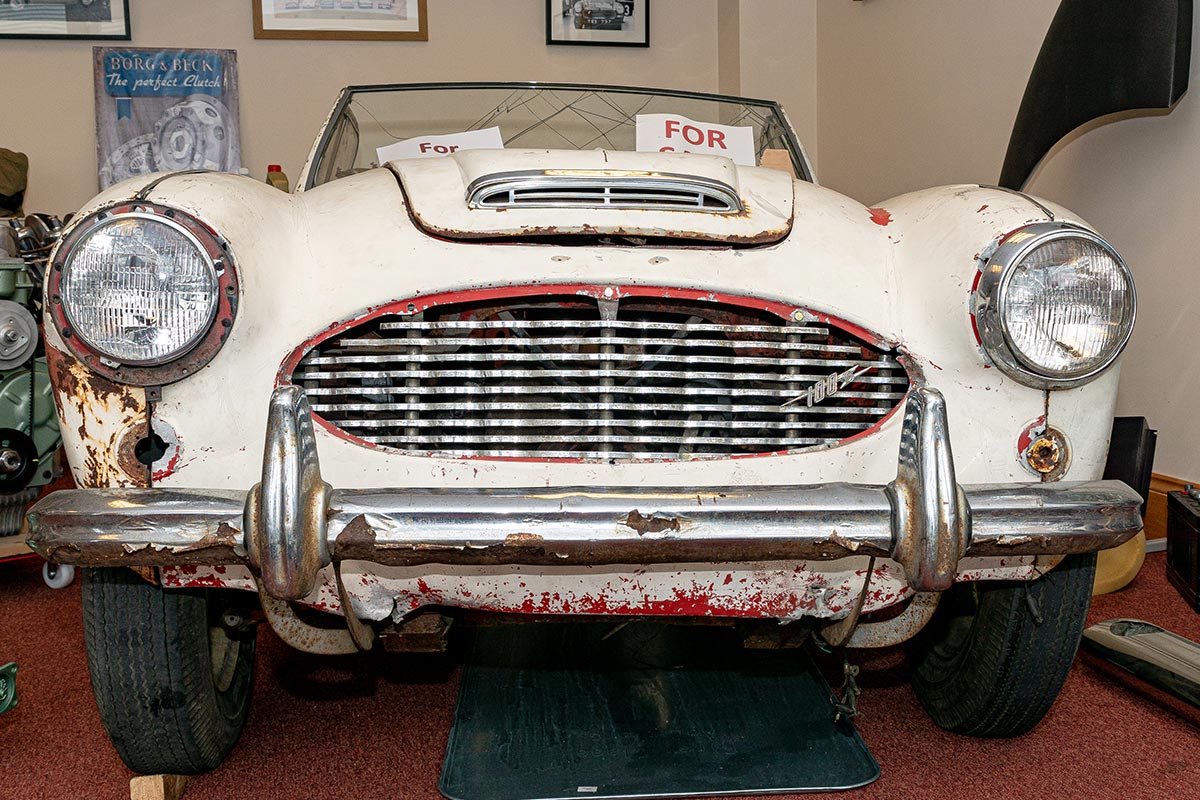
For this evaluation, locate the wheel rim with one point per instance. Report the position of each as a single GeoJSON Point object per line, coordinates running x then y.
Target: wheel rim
{"type": "Point", "coordinates": [224, 652]}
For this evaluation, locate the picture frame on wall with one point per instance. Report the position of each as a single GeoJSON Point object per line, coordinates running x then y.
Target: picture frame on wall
{"type": "Point", "coordinates": [341, 19]}
{"type": "Point", "coordinates": [64, 19]}
{"type": "Point", "coordinates": [609, 23]}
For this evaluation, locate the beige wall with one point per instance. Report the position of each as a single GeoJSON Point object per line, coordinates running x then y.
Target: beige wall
{"type": "Point", "coordinates": [918, 93]}
{"type": "Point", "coordinates": [778, 60]}
{"type": "Point", "coordinates": [288, 87]}
{"type": "Point", "coordinates": [924, 92]}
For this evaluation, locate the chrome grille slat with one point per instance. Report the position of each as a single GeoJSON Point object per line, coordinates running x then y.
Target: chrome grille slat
{"type": "Point", "coordinates": [302, 375]}
{"type": "Point", "coordinates": [568, 455]}
{"type": "Point", "coordinates": [559, 342]}
{"type": "Point", "coordinates": [783, 394]}
{"type": "Point", "coordinates": [781, 443]}
{"type": "Point", "coordinates": [623, 325]}
{"type": "Point", "coordinates": [683, 408]}
{"type": "Point", "coordinates": [517, 422]}
{"type": "Point", "coordinates": [567, 376]}
{"type": "Point", "coordinates": [661, 358]}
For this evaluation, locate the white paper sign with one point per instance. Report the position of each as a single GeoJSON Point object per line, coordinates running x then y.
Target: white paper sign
{"type": "Point", "coordinates": [441, 145]}
{"type": "Point", "coordinates": [673, 133]}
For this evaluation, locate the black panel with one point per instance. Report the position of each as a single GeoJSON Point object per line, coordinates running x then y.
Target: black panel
{"type": "Point", "coordinates": [550, 710]}
{"type": "Point", "coordinates": [1100, 57]}
{"type": "Point", "coordinates": [1131, 455]}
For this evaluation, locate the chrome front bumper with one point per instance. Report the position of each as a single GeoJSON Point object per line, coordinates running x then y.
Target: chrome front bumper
{"type": "Point", "coordinates": [293, 524]}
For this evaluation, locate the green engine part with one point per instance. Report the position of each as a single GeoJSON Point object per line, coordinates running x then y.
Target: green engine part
{"type": "Point", "coordinates": [8, 687]}
{"type": "Point", "coordinates": [15, 399]}
{"type": "Point", "coordinates": [27, 414]}
{"type": "Point", "coordinates": [15, 283]}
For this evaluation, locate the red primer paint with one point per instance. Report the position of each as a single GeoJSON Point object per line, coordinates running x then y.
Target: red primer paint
{"type": "Point", "coordinates": [880, 216]}
{"type": "Point", "coordinates": [1031, 432]}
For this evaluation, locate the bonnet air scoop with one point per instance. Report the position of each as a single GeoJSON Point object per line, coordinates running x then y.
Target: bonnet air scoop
{"type": "Point", "coordinates": [533, 194]}
{"type": "Point", "coordinates": [603, 189]}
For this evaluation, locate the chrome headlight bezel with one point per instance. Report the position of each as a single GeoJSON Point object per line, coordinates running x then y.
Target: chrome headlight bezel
{"type": "Point", "coordinates": [990, 297]}
{"type": "Point", "coordinates": [199, 349]}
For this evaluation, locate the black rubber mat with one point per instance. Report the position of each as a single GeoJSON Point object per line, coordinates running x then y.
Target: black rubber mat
{"type": "Point", "coordinates": [600, 710]}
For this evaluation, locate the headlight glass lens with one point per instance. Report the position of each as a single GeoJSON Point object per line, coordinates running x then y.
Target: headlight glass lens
{"type": "Point", "coordinates": [1067, 307]}
{"type": "Point", "coordinates": [139, 289]}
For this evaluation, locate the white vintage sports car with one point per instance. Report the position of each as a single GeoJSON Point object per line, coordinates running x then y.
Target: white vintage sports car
{"type": "Point", "coordinates": [566, 377]}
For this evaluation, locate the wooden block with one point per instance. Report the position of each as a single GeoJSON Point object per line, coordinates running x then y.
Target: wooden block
{"type": "Point", "coordinates": [1156, 510]}
{"type": "Point", "coordinates": [157, 787]}
{"type": "Point", "coordinates": [778, 159]}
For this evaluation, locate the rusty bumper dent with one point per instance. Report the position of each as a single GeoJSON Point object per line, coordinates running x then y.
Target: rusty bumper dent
{"type": "Point", "coordinates": [293, 524]}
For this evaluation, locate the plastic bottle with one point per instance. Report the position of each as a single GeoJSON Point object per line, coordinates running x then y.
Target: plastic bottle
{"type": "Point", "coordinates": [277, 178]}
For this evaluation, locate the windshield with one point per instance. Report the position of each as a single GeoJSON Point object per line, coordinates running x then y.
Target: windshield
{"type": "Point", "coordinates": [536, 116]}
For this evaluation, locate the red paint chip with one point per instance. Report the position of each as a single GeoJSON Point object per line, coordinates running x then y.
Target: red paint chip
{"type": "Point", "coordinates": [880, 216]}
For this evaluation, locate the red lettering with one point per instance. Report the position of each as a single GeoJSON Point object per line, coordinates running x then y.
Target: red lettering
{"type": "Point", "coordinates": [689, 130]}
{"type": "Point", "coordinates": [672, 127]}
{"type": "Point", "coordinates": [717, 139]}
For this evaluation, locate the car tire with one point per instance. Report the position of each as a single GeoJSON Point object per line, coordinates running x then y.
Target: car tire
{"type": "Point", "coordinates": [994, 657]}
{"type": "Point", "coordinates": [172, 684]}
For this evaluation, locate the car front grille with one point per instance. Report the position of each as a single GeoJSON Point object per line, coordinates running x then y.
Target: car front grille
{"type": "Point", "coordinates": [570, 377]}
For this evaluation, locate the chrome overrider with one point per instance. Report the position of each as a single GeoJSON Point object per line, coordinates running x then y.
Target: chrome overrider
{"type": "Point", "coordinates": [293, 524]}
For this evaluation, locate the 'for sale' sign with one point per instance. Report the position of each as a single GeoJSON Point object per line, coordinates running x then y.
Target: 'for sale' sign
{"type": "Point", "coordinates": [441, 145]}
{"type": "Point", "coordinates": [672, 133]}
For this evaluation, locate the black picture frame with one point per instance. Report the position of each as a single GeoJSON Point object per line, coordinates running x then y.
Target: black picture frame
{"type": "Point", "coordinates": [558, 32]}
{"type": "Point", "coordinates": [113, 30]}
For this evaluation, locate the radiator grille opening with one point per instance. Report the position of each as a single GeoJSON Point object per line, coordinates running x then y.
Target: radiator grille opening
{"type": "Point", "coordinates": [572, 377]}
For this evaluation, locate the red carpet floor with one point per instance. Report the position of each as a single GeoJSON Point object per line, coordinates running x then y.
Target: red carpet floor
{"type": "Point", "coordinates": [376, 727]}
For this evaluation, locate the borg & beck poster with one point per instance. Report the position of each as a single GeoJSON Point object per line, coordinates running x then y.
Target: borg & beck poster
{"type": "Point", "coordinates": [165, 110]}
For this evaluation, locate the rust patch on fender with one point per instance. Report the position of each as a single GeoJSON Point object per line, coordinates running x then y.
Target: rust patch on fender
{"type": "Point", "coordinates": [651, 524]}
{"type": "Point", "coordinates": [107, 418]}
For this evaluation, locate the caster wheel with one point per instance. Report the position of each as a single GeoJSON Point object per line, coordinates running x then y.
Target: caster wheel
{"type": "Point", "coordinates": [58, 576]}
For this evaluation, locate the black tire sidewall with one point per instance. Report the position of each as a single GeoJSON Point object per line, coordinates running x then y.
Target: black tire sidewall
{"type": "Point", "coordinates": [152, 674]}
{"type": "Point", "coordinates": [1001, 677]}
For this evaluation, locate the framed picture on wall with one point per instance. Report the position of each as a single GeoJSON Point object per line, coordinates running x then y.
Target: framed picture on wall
{"type": "Point", "coordinates": [615, 23]}
{"type": "Point", "coordinates": [64, 19]}
{"type": "Point", "coordinates": [340, 19]}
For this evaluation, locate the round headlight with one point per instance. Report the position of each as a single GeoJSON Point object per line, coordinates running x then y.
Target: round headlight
{"type": "Point", "coordinates": [142, 293]}
{"type": "Point", "coordinates": [1055, 305]}
{"type": "Point", "coordinates": [139, 289]}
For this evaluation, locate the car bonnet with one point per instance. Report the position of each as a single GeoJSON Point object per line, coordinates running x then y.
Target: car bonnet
{"type": "Point", "coordinates": [438, 192]}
